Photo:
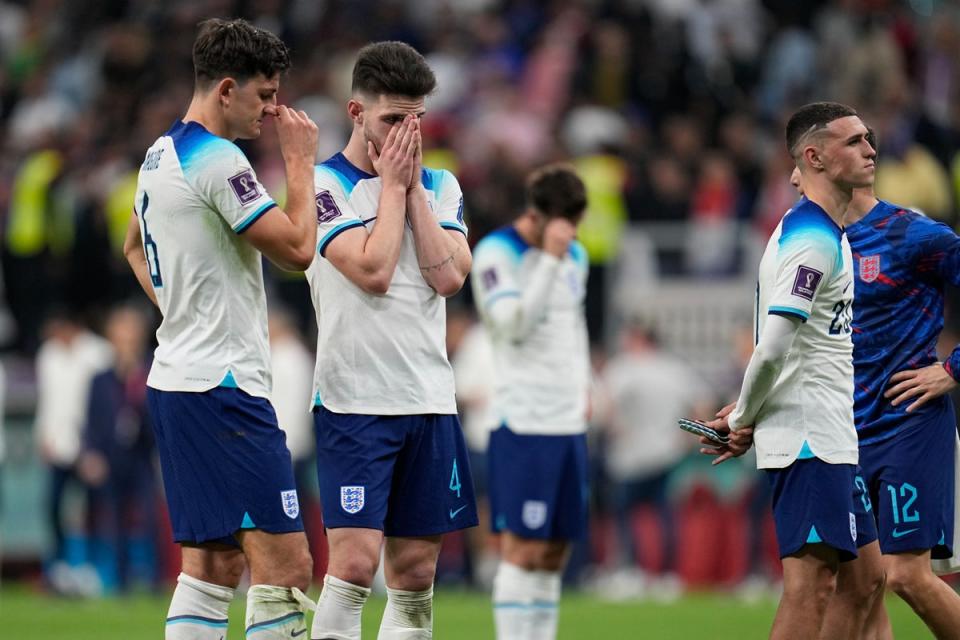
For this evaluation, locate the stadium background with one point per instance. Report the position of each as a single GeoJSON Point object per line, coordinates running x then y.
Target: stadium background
{"type": "Point", "coordinates": [672, 111]}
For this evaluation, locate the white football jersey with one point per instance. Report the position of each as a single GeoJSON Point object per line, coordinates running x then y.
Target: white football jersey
{"type": "Point", "coordinates": [542, 380]}
{"type": "Point", "coordinates": [196, 193]}
{"type": "Point", "coordinates": [807, 272]}
{"type": "Point", "coordinates": [379, 354]}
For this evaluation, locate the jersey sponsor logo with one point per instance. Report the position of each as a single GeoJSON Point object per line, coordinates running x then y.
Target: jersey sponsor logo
{"type": "Point", "coordinates": [869, 268]}
{"type": "Point", "coordinates": [489, 278]}
{"type": "Point", "coordinates": [351, 499]}
{"type": "Point", "coordinates": [327, 208]}
{"type": "Point", "coordinates": [291, 504]}
{"type": "Point", "coordinates": [853, 527]}
{"type": "Point", "coordinates": [534, 514]}
{"type": "Point", "coordinates": [244, 186]}
{"type": "Point", "coordinates": [806, 282]}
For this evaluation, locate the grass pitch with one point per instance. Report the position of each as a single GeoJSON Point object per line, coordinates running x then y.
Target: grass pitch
{"type": "Point", "coordinates": [25, 614]}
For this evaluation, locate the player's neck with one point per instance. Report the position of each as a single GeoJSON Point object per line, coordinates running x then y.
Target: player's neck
{"type": "Point", "coordinates": [527, 229]}
{"type": "Point", "coordinates": [831, 198]}
{"type": "Point", "coordinates": [356, 152]}
{"type": "Point", "coordinates": [208, 116]}
{"type": "Point", "coordinates": [861, 204]}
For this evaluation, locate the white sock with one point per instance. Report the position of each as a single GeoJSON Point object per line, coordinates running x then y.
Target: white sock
{"type": "Point", "coordinates": [546, 601]}
{"type": "Point", "coordinates": [513, 592]}
{"type": "Point", "coordinates": [338, 610]}
{"type": "Point", "coordinates": [276, 613]}
{"type": "Point", "coordinates": [408, 616]}
{"type": "Point", "coordinates": [198, 610]}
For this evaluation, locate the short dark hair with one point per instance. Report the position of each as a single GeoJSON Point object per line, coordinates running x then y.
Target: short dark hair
{"type": "Point", "coordinates": [811, 118]}
{"type": "Point", "coordinates": [237, 49]}
{"type": "Point", "coordinates": [557, 191]}
{"type": "Point", "coordinates": [392, 68]}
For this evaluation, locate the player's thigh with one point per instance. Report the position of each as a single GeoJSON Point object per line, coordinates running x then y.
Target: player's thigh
{"type": "Point", "coordinates": [354, 554]}
{"type": "Point", "coordinates": [907, 567]}
{"type": "Point", "coordinates": [811, 570]}
{"type": "Point", "coordinates": [410, 564]}
{"type": "Point", "coordinates": [863, 575]}
{"type": "Point", "coordinates": [279, 559]}
{"type": "Point", "coordinates": [214, 563]}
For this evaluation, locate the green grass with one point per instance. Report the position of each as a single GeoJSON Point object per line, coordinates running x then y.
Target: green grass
{"type": "Point", "coordinates": [458, 615]}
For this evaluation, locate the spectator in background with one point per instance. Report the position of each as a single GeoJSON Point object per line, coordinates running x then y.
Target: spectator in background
{"type": "Point", "coordinates": [68, 359]}
{"type": "Point", "coordinates": [647, 389]}
{"type": "Point", "coordinates": [118, 458]}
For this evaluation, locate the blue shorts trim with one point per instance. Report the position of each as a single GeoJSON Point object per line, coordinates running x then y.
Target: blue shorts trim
{"type": "Point", "coordinates": [813, 502]}
{"type": "Point", "coordinates": [538, 484]}
{"type": "Point", "coordinates": [908, 477]}
{"type": "Point", "coordinates": [404, 475]}
{"type": "Point", "coordinates": [225, 464]}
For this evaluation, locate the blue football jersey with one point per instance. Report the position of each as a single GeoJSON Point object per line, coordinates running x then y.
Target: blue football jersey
{"type": "Point", "coordinates": [901, 260]}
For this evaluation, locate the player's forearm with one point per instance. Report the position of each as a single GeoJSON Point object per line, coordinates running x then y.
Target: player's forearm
{"type": "Point", "coordinates": [764, 368]}
{"type": "Point", "coordinates": [301, 242]}
{"type": "Point", "coordinates": [517, 316]}
{"type": "Point", "coordinates": [444, 261]}
{"type": "Point", "coordinates": [137, 259]}
{"type": "Point", "coordinates": [378, 259]}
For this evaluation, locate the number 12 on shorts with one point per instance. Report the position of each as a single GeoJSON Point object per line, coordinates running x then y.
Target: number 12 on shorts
{"type": "Point", "coordinates": [455, 479]}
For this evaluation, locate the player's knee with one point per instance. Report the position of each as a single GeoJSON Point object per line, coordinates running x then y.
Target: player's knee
{"type": "Point", "coordinates": [905, 579]}
{"type": "Point", "coordinates": [355, 569]}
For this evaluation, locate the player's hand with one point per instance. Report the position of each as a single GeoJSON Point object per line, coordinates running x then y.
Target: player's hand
{"type": "Point", "coordinates": [928, 383]}
{"type": "Point", "coordinates": [557, 236]}
{"type": "Point", "coordinates": [415, 174]}
{"type": "Point", "coordinates": [394, 162]}
{"type": "Point", "coordinates": [723, 413]}
{"type": "Point", "coordinates": [740, 442]}
{"type": "Point", "coordinates": [298, 136]}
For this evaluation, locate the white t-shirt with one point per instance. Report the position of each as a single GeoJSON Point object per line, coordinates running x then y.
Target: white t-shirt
{"type": "Point", "coordinates": [64, 374]}
{"type": "Point", "coordinates": [196, 193]}
{"type": "Point", "coordinates": [542, 359]}
{"type": "Point", "coordinates": [379, 354]}
{"type": "Point", "coordinates": [807, 272]}
{"type": "Point", "coordinates": [647, 393]}
{"type": "Point", "coordinates": [292, 375]}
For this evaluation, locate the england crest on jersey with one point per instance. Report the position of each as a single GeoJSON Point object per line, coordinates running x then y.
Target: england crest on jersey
{"type": "Point", "coordinates": [291, 505]}
{"type": "Point", "coordinates": [534, 514]}
{"type": "Point", "coordinates": [351, 499]}
{"type": "Point", "coordinates": [869, 268]}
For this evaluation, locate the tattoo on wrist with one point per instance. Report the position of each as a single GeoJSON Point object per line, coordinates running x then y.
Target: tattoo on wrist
{"type": "Point", "coordinates": [442, 263]}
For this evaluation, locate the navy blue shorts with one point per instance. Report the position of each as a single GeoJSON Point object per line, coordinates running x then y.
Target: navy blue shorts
{"type": "Point", "coordinates": [817, 502]}
{"type": "Point", "coordinates": [225, 464]}
{"type": "Point", "coordinates": [538, 484]}
{"type": "Point", "coordinates": [405, 475]}
{"type": "Point", "coordinates": [909, 476]}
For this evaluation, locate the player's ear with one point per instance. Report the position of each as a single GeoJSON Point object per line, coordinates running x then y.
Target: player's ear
{"type": "Point", "coordinates": [813, 157]}
{"type": "Point", "coordinates": [355, 111]}
{"type": "Point", "coordinates": [225, 90]}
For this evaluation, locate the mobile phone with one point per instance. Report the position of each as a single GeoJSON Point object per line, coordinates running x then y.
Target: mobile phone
{"type": "Point", "coordinates": [700, 429]}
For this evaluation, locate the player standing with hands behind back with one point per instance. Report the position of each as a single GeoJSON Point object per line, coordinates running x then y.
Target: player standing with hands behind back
{"type": "Point", "coordinates": [391, 458]}
{"type": "Point", "coordinates": [529, 281]}
{"type": "Point", "coordinates": [201, 223]}
{"type": "Point", "coordinates": [798, 386]}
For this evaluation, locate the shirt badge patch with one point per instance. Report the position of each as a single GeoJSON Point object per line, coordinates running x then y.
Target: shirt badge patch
{"type": "Point", "coordinates": [869, 268]}
{"type": "Point", "coordinates": [327, 208]}
{"type": "Point", "coordinates": [534, 514]}
{"type": "Point", "coordinates": [244, 186]}
{"type": "Point", "coordinates": [806, 282]}
{"type": "Point", "coordinates": [291, 505]}
{"type": "Point", "coordinates": [351, 499]}
{"type": "Point", "coordinates": [489, 278]}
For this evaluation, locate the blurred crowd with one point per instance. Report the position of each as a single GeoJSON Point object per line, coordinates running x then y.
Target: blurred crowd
{"type": "Point", "coordinates": [672, 111]}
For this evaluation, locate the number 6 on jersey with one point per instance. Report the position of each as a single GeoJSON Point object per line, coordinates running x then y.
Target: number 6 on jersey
{"type": "Point", "coordinates": [149, 246]}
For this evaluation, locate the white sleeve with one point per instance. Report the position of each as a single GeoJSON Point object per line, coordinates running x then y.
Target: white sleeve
{"type": "Point", "coordinates": [764, 367]}
{"type": "Point", "coordinates": [450, 203]}
{"type": "Point", "coordinates": [334, 214]}
{"type": "Point", "coordinates": [229, 184]}
{"type": "Point", "coordinates": [804, 262]}
{"type": "Point", "coordinates": [509, 310]}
